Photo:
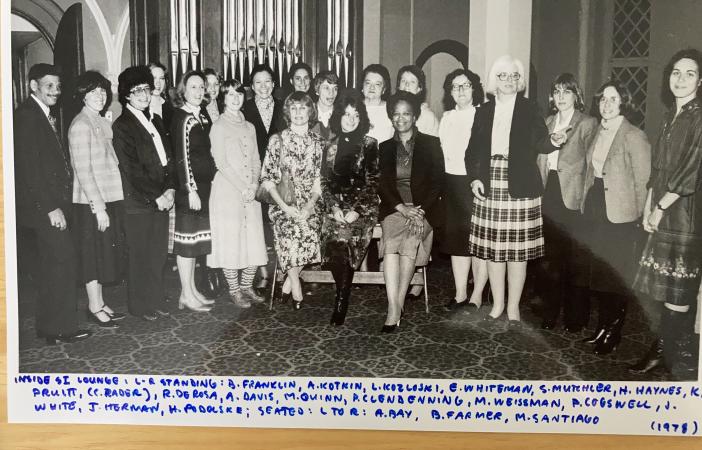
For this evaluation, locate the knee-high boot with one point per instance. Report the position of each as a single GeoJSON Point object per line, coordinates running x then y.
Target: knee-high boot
{"type": "Point", "coordinates": [343, 276]}
{"type": "Point", "coordinates": [613, 331]}
{"type": "Point", "coordinates": [680, 352]}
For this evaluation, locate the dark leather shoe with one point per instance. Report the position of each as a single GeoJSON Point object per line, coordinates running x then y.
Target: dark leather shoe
{"type": "Point", "coordinates": [68, 338]}
{"type": "Point", "coordinates": [96, 318]}
{"type": "Point", "coordinates": [116, 315]}
{"type": "Point", "coordinates": [149, 317]}
{"type": "Point", "coordinates": [454, 305]}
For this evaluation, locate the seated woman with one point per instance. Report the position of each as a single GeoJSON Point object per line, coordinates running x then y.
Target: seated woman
{"type": "Point", "coordinates": [294, 160]}
{"type": "Point", "coordinates": [411, 180]}
{"type": "Point", "coordinates": [148, 180]}
{"type": "Point", "coordinates": [671, 265]}
{"type": "Point", "coordinates": [349, 190]}
{"type": "Point", "coordinates": [235, 216]}
{"type": "Point", "coordinates": [617, 172]}
{"type": "Point", "coordinates": [191, 143]}
{"type": "Point", "coordinates": [412, 79]}
{"type": "Point", "coordinates": [97, 196]}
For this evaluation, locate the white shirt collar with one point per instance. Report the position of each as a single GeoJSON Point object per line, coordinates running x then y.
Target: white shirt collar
{"type": "Point", "coordinates": [138, 113]}
{"type": "Point", "coordinates": [43, 107]}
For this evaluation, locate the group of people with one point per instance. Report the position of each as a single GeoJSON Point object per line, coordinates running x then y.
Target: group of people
{"type": "Point", "coordinates": [202, 172]}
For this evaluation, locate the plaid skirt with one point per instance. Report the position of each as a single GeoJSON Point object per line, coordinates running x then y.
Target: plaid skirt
{"type": "Point", "coordinates": [504, 228]}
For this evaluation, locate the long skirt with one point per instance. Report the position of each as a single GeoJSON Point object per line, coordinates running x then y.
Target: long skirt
{"type": "Point", "coordinates": [101, 255]}
{"type": "Point", "coordinates": [670, 267]}
{"type": "Point", "coordinates": [459, 205]}
{"type": "Point", "coordinates": [504, 228]}
{"type": "Point", "coordinates": [397, 239]}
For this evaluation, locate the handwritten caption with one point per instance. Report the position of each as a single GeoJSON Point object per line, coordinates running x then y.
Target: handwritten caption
{"type": "Point", "coordinates": [660, 408]}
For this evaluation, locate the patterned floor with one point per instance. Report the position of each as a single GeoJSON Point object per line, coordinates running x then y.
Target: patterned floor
{"type": "Point", "coordinates": [231, 341]}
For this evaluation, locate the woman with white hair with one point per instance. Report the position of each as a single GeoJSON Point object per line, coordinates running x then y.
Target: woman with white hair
{"type": "Point", "coordinates": [506, 226]}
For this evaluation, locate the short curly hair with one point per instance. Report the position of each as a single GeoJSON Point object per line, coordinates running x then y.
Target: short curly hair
{"type": "Point", "coordinates": [179, 98]}
{"type": "Point", "coordinates": [383, 72]}
{"type": "Point", "coordinates": [90, 80]}
{"type": "Point", "coordinates": [340, 106]}
{"type": "Point", "coordinates": [305, 99]}
{"type": "Point", "coordinates": [407, 97]}
{"type": "Point", "coordinates": [477, 86]}
{"type": "Point", "coordinates": [131, 77]}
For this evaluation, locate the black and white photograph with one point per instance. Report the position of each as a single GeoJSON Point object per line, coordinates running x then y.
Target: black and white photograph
{"type": "Point", "coordinates": [444, 189]}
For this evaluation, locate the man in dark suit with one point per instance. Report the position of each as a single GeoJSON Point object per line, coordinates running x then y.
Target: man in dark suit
{"type": "Point", "coordinates": [43, 196]}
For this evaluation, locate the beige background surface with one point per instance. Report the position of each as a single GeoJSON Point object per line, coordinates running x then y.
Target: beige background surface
{"type": "Point", "coordinates": [96, 437]}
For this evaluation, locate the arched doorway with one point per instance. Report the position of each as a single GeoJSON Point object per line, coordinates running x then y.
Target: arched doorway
{"type": "Point", "coordinates": [437, 60]}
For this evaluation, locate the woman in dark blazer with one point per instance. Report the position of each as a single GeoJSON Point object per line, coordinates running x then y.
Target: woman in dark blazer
{"type": "Point", "coordinates": [411, 181]}
{"type": "Point", "coordinates": [266, 114]}
{"type": "Point", "coordinates": [508, 134]}
{"type": "Point", "coordinates": [618, 167]}
{"type": "Point", "coordinates": [562, 173]}
{"type": "Point", "coordinates": [148, 180]}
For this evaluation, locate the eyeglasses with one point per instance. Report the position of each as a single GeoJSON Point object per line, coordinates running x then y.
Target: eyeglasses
{"type": "Point", "coordinates": [140, 90]}
{"type": "Point", "coordinates": [504, 76]}
{"type": "Point", "coordinates": [461, 87]}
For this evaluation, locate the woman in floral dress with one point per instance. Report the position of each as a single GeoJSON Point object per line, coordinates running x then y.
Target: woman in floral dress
{"type": "Point", "coordinates": [349, 189]}
{"type": "Point", "coordinates": [296, 151]}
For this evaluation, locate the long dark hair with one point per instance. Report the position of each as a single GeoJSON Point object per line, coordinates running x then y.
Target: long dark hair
{"type": "Point", "coordinates": [689, 53]}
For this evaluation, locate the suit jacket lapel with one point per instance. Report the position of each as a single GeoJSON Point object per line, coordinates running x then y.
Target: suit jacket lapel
{"type": "Point", "coordinates": [619, 138]}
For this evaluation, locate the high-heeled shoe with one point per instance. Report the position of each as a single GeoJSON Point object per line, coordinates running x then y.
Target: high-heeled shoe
{"type": "Point", "coordinates": [95, 318]}
{"type": "Point", "coordinates": [297, 304]}
{"type": "Point", "coordinates": [390, 328]}
{"type": "Point", "coordinates": [192, 304]}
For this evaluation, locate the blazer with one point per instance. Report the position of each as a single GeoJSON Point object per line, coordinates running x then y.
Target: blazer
{"type": "Point", "coordinates": [426, 179]}
{"type": "Point", "coordinates": [625, 173]}
{"type": "Point", "coordinates": [528, 137]}
{"type": "Point", "coordinates": [278, 124]}
{"type": "Point", "coordinates": [97, 179]}
{"type": "Point", "coordinates": [144, 179]}
{"type": "Point", "coordinates": [43, 178]}
{"type": "Point", "coordinates": [571, 158]}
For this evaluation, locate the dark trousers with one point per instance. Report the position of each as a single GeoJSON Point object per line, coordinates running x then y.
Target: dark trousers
{"type": "Point", "coordinates": [558, 269]}
{"type": "Point", "coordinates": [56, 307]}
{"type": "Point", "coordinates": [147, 242]}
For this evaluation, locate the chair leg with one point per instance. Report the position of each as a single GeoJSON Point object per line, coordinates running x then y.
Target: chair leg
{"type": "Point", "coordinates": [275, 277]}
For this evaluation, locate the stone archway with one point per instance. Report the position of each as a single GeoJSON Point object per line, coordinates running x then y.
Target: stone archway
{"type": "Point", "coordinates": [43, 14]}
{"type": "Point", "coordinates": [454, 48]}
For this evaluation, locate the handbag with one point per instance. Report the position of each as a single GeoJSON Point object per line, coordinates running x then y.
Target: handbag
{"type": "Point", "coordinates": [285, 188]}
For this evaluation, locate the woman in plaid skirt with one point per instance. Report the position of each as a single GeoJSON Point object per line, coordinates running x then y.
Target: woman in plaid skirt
{"type": "Point", "coordinates": [506, 225]}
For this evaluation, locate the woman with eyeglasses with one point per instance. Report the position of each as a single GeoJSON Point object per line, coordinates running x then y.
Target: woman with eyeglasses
{"type": "Point", "coordinates": [671, 265]}
{"type": "Point", "coordinates": [463, 95]}
{"type": "Point", "coordinates": [97, 196]}
{"type": "Point", "coordinates": [190, 131]}
{"type": "Point", "coordinates": [618, 168]}
{"type": "Point", "coordinates": [562, 173]}
{"type": "Point", "coordinates": [506, 226]}
{"type": "Point", "coordinates": [148, 179]}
